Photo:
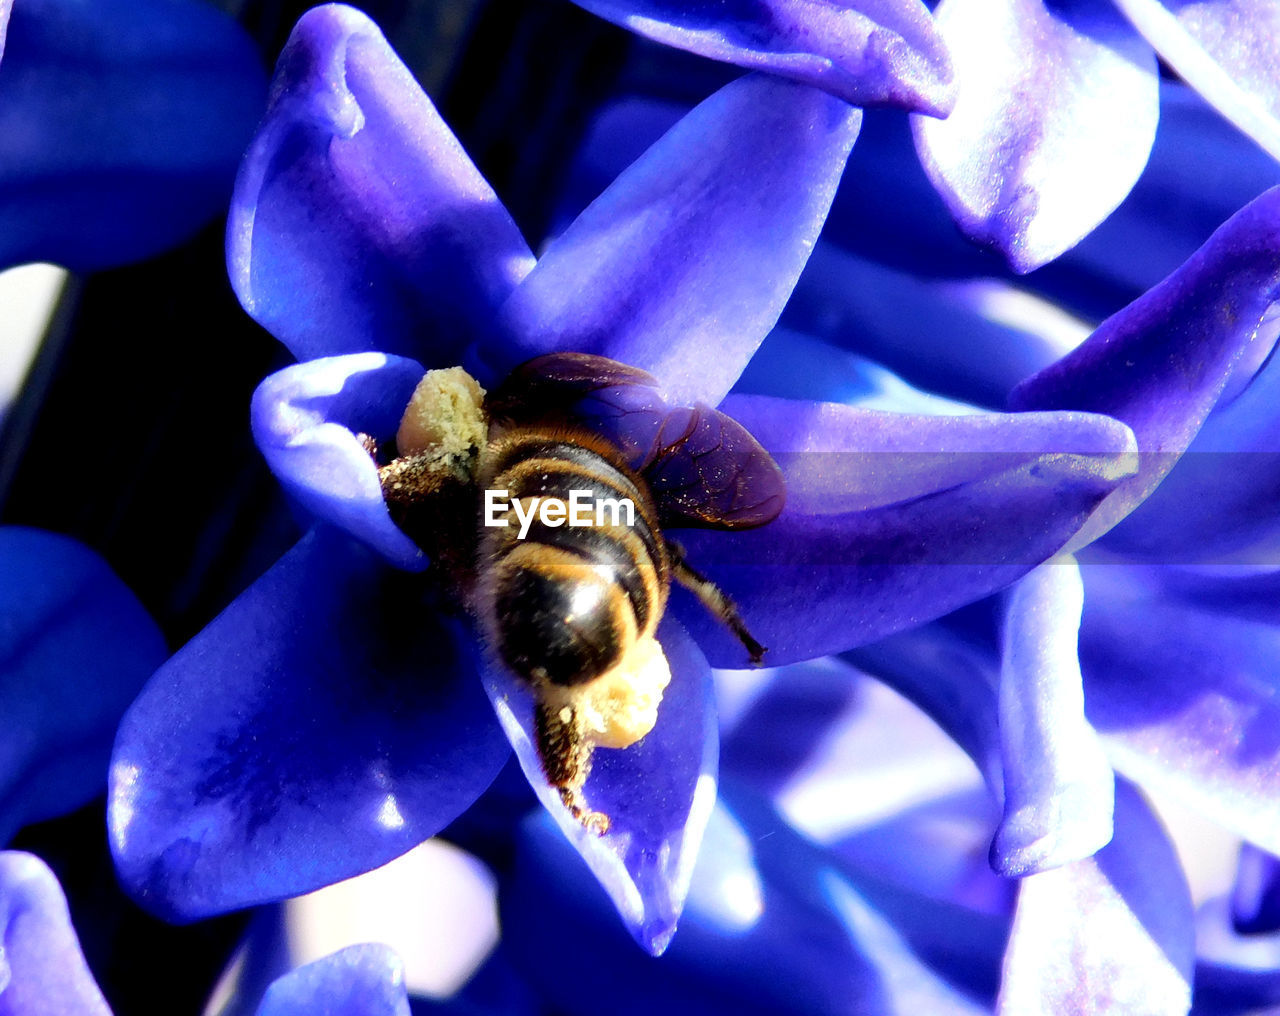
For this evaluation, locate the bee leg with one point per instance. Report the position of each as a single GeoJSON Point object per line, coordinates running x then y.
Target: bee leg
{"type": "Point", "coordinates": [714, 599]}
{"type": "Point", "coordinates": [566, 761]}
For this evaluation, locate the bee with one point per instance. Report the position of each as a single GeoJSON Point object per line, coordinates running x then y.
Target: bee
{"type": "Point", "coordinates": [486, 485]}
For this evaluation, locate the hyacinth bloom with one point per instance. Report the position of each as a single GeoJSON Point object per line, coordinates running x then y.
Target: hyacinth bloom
{"type": "Point", "coordinates": [1150, 649]}
{"type": "Point", "coordinates": [43, 972]}
{"type": "Point", "coordinates": [75, 648]}
{"type": "Point", "coordinates": [330, 718]}
{"type": "Point", "coordinates": [121, 124]}
{"type": "Point", "coordinates": [1050, 110]}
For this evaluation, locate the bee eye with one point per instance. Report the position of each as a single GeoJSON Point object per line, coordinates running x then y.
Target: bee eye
{"type": "Point", "coordinates": [563, 622]}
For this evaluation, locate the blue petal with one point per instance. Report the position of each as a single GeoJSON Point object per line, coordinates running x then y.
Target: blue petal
{"type": "Point", "coordinates": [792, 365]}
{"type": "Point", "coordinates": [42, 971]}
{"type": "Point", "coordinates": [1180, 680]}
{"type": "Point", "coordinates": [121, 123]}
{"type": "Point", "coordinates": [892, 520]}
{"type": "Point", "coordinates": [1226, 990]}
{"type": "Point", "coordinates": [658, 793]}
{"type": "Point", "coordinates": [1053, 124]}
{"type": "Point", "coordinates": [1236, 974]}
{"type": "Point", "coordinates": [954, 675]}
{"type": "Point", "coordinates": [1226, 50]}
{"type": "Point", "coordinates": [361, 980]}
{"type": "Point", "coordinates": [1200, 172]}
{"type": "Point", "coordinates": [1111, 933]}
{"type": "Point", "coordinates": [358, 222]}
{"type": "Point", "coordinates": [1162, 363]}
{"type": "Point", "coordinates": [853, 765]}
{"type": "Point", "coordinates": [305, 421]}
{"type": "Point", "coordinates": [1220, 503]}
{"type": "Point", "coordinates": [1255, 902]}
{"type": "Point", "coordinates": [773, 925]}
{"type": "Point", "coordinates": [950, 342]}
{"type": "Point", "coordinates": [684, 264]}
{"type": "Point", "coordinates": [868, 52]}
{"type": "Point", "coordinates": [324, 723]}
{"type": "Point", "coordinates": [1058, 788]}
{"type": "Point", "coordinates": [75, 648]}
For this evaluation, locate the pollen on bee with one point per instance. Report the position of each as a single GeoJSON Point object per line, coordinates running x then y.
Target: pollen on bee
{"type": "Point", "coordinates": [621, 706]}
{"type": "Point", "coordinates": [445, 416]}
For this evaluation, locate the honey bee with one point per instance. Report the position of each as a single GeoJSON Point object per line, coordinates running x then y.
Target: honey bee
{"type": "Point", "coordinates": [488, 487]}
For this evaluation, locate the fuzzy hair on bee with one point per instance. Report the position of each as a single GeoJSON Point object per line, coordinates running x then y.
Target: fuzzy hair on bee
{"type": "Point", "coordinates": [571, 611]}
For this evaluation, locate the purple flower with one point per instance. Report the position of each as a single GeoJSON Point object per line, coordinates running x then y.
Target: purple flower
{"type": "Point", "coordinates": [76, 646]}
{"type": "Point", "coordinates": [1052, 112]}
{"type": "Point", "coordinates": [1150, 647]}
{"type": "Point", "coordinates": [43, 972]}
{"type": "Point", "coordinates": [331, 718]}
{"type": "Point", "coordinates": [121, 123]}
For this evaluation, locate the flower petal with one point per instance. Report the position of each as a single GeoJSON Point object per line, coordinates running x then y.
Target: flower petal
{"type": "Point", "coordinates": [42, 969]}
{"type": "Point", "coordinates": [1255, 902]}
{"type": "Point", "coordinates": [1226, 50]}
{"type": "Point", "coordinates": [657, 793]}
{"type": "Point", "coordinates": [1161, 364]}
{"type": "Point", "coordinates": [305, 421]}
{"type": "Point", "coordinates": [1235, 973]}
{"type": "Point", "coordinates": [361, 980]}
{"type": "Point", "coordinates": [950, 669]}
{"type": "Point", "coordinates": [358, 221]}
{"type": "Point", "coordinates": [953, 676]}
{"type": "Point", "coordinates": [854, 766]}
{"type": "Point", "coordinates": [76, 646]}
{"type": "Point", "coordinates": [324, 723]}
{"type": "Point", "coordinates": [867, 52]}
{"type": "Point", "coordinates": [1201, 171]}
{"type": "Point", "coordinates": [1220, 503]}
{"type": "Point", "coordinates": [1226, 990]}
{"type": "Point", "coordinates": [1059, 790]}
{"type": "Point", "coordinates": [1111, 933]}
{"type": "Point", "coordinates": [1055, 118]}
{"type": "Point", "coordinates": [121, 123]}
{"type": "Point", "coordinates": [684, 264]}
{"type": "Point", "coordinates": [738, 948]}
{"type": "Point", "coordinates": [792, 365]}
{"type": "Point", "coordinates": [1180, 680]}
{"type": "Point", "coordinates": [950, 343]}
{"type": "Point", "coordinates": [892, 520]}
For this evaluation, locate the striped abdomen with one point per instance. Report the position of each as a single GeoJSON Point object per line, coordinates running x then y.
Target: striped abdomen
{"type": "Point", "coordinates": [565, 603]}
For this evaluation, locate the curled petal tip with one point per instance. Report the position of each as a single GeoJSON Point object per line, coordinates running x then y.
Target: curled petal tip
{"type": "Point", "coordinates": [358, 222]}
{"type": "Point", "coordinates": [314, 64]}
{"type": "Point", "coordinates": [1054, 122]}
{"type": "Point", "coordinates": [1044, 835]}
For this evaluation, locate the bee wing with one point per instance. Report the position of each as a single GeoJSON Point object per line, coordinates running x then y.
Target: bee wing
{"type": "Point", "coordinates": [617, 401]}
{"type": "Point", "coordinates": [708, 472]}
{"type": "Point", "coordinates": [704, 469]}
{"type": "Point", "coordinates": [548, 385]}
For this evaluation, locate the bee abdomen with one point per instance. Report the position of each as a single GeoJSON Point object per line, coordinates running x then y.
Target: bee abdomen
{"type": "Point", "coordinates": [560, 620]}
{"type": "Point", "coordinates": [567, 602]}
